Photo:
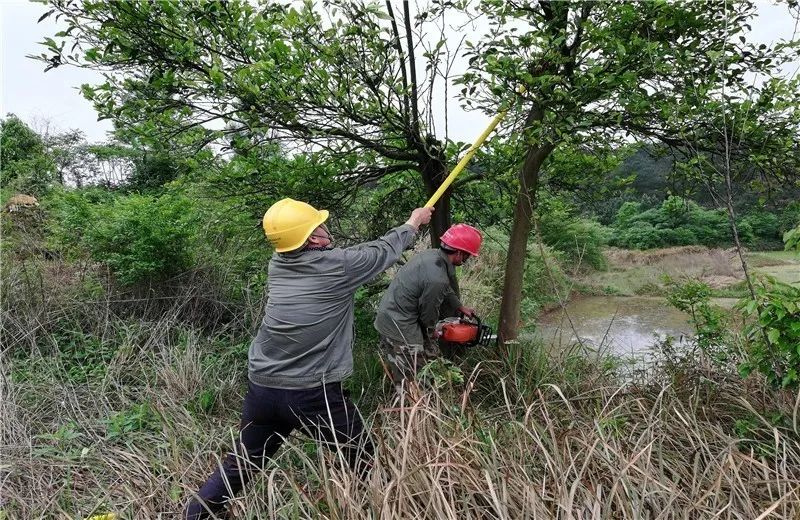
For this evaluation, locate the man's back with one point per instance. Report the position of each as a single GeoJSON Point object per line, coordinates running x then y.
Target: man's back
{"type": "Point", "coordinates": [413, 301]}
{"type": "Point", "coordinates": [306, 336]}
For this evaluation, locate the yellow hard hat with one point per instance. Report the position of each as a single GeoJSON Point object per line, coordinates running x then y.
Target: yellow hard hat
{"type": "Point", "coordinates": [288, 223]}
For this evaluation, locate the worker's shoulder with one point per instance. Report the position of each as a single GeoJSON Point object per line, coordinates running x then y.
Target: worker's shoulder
{"type": "Point", "coordinates": [424, 258]}
{"type": "Point", "coordinates": [428, 263]}
{"type": "Point", "coordinates": [310, 262]}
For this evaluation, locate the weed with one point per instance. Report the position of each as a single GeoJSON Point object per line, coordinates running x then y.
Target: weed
{"type": "Point", "coordinates": [136, 418]}
{"type": "Point", "coordinates": [441, 373]}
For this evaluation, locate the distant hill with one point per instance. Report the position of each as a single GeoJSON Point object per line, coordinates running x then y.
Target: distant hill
{"type": "Point", "coordinates": [655, 181]}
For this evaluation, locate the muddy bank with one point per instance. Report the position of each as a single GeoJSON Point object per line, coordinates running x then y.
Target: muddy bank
{"type": "Point", "coordinates": [639, 273]}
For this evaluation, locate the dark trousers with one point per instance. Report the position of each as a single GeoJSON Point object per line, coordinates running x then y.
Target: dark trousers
{"type": "Point", "coordinates": [268, 416]}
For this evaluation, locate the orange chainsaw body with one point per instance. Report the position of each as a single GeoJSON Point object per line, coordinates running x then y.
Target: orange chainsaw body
{"type": "Point", "coordinates": [464, 331]}
{"type": "Point", "coordinates": [459, 332]}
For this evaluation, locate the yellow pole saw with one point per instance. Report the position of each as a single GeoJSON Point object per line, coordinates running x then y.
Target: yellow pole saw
{"type": "Point", "coordinates": [467, 156]}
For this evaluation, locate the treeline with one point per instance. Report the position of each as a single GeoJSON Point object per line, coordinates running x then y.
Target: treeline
{"type": "Point", "coordinates": [147, 215]}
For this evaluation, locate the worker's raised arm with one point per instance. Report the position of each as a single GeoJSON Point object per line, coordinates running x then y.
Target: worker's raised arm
{"type": "Point", "coordinates": [364, 262]}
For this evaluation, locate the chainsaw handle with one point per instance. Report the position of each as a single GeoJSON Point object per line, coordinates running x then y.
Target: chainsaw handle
{"type": "Point", "coordinates": [474, 319]}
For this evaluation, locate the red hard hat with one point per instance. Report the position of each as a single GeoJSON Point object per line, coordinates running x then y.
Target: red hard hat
{"type": "Point", "coordinates": [463, 238]}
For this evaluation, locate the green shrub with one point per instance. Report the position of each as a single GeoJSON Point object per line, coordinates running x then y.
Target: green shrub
{"type": "Point", "coordinates": [626, 214]}
{"type": "Point", "coordinates": [765, 230]}
{"type": "Point", "coordinates": [773, 333]}
{"type": "Point", "coordinates": [25, 165]}
{"type": "Point", "coordinates": [72, 215]}
{"type": "Point", "coordinates": [139, 237]}
{"type": "Point", "coordinates": [789, 217]}
{"type": "Point", "coordinates": [694, 298]}
{"type": "Point", "coordinates": [642, 235]}
{"type": "Point", "coordinates": [676, 222]}
{"type": "Point", "coordinates": [677, 237]}
{"type": "Point", "coordinates": [792, 239]}
{"type": "Point", "coordinates": [142, 237]}
{"type": "Point", "coordinates": [579, 239]}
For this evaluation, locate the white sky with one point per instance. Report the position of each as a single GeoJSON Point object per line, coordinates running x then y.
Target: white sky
{"type": "Point", "coordinates": [37, 97]}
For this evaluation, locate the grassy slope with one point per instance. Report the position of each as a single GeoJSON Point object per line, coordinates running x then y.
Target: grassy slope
{"type": "Point", "coordinates": [540, 441]}
{"type": "Point", "coordinates": [102, 412]}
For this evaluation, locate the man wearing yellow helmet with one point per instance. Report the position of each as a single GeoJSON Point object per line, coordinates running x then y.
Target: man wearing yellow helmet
{"type": "Point", "coordinates": [303, 349]}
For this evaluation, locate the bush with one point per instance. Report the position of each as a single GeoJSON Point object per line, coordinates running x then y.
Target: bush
{"type": "Point", "coordinates": [765, 230]}
{"type": "Point", "coordinates": [139, 237]}
{"type": "Point", "coordinates": [792, 239]}
{"type": "Point", "coordinates": [789, 217]}
{"type": "Point", "coordinates": [626, 214]}
{"type": "Point", "coordinates": [71, 217]}
{"type": "Point", "coordinates": [229, 243]}
{"type": "Point", "coordinates": [773, 333]}
{"type": "Point", "coordinates": [676, 222]}
{"type": "Point", "coordinates": [579, 239]}
{"type": "Point", "coordinates": [643, 235]}
{"type": "Point", "coordinates": [694, 298]}
{"type": "Point", "coordinates": [25, 165]}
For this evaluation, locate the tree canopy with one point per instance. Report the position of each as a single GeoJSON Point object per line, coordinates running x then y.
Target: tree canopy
{"type": "Point", "coordinates": [349, 81]}
{"type": "Point", "coordinates": [680, 73]}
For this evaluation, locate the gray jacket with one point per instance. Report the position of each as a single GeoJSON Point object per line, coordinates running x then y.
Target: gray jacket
{"type": "Point", "coordinates": [306, 337]}
{"type": "Point", "coordinates": [421, 293]}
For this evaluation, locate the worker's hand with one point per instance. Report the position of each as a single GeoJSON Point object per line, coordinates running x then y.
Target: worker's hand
{"type": "Point", "coordinates": [467, 311]}
{"type": "Point", "coordinates": [419, 217]}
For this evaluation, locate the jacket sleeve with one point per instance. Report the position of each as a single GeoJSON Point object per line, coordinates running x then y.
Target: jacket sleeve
{"type": "Point", "coordinates": [430, 301]}
{"type": "Point", "coordinates": [451, 303]}
{"type": "Point", "coordinates": [366, 261]}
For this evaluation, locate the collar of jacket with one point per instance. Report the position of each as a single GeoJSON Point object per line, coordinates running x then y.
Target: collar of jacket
{"type": "Point", "coordinates": [451, 269]}
{"type": "Point", "coordinates": [295, 254]}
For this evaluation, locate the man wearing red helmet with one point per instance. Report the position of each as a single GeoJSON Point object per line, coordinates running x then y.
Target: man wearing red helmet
{"type": "Point", "coordinates": [421, 293]}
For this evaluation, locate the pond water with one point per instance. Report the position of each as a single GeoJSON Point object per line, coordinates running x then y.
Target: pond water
{"type": "Point", "coordinates": [632, 324]}
{"type": "Point", "coordinates": [624, 325]}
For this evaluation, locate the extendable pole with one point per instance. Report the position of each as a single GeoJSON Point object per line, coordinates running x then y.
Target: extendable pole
{"type": "Point", "coordinates": [467, 156]}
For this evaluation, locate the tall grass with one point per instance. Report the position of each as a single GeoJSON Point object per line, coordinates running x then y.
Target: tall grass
{"type": "Point", "coordinates": [527, 436]}
{"type": "Point", "coordinates": [128, 407]}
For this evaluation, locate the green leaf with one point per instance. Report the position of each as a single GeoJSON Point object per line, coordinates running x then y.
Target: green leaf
{"type": "Point", "coordinates": [773, 335]}
{"type": "Point", "coordinates": [45, 15]}
{"type": "Point", "coordinates": [216, 75]}
{"type": "Point", "coordinates": [745, 369]}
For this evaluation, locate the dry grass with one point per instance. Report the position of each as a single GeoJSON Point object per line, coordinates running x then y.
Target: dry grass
{"type": "Point", "coordinates": [512, 443]}
{"type": "Point", "coordinates": [528, 436]}
{"type": "Point", "coordinates": [641, 272]}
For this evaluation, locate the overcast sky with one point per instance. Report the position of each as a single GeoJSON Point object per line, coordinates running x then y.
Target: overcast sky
{"type": "Point", "coordinates": [37, 97]}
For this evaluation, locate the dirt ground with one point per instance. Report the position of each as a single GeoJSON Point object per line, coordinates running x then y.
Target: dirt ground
{"type": "Point", "coordinates": [642, 272]}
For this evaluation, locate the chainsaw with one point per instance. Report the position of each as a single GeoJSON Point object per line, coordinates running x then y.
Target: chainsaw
{"type": "Point", "coordinates": [465, 331]}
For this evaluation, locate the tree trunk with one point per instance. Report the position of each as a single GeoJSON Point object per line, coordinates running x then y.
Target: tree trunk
{"type": "Point", "coordinates": [434, 172]}
{"type": "Point", "coordinates": [518, 244]}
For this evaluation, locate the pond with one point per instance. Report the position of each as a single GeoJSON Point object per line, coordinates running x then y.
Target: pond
{"type": "Point", "coordinates": [622, 324]}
